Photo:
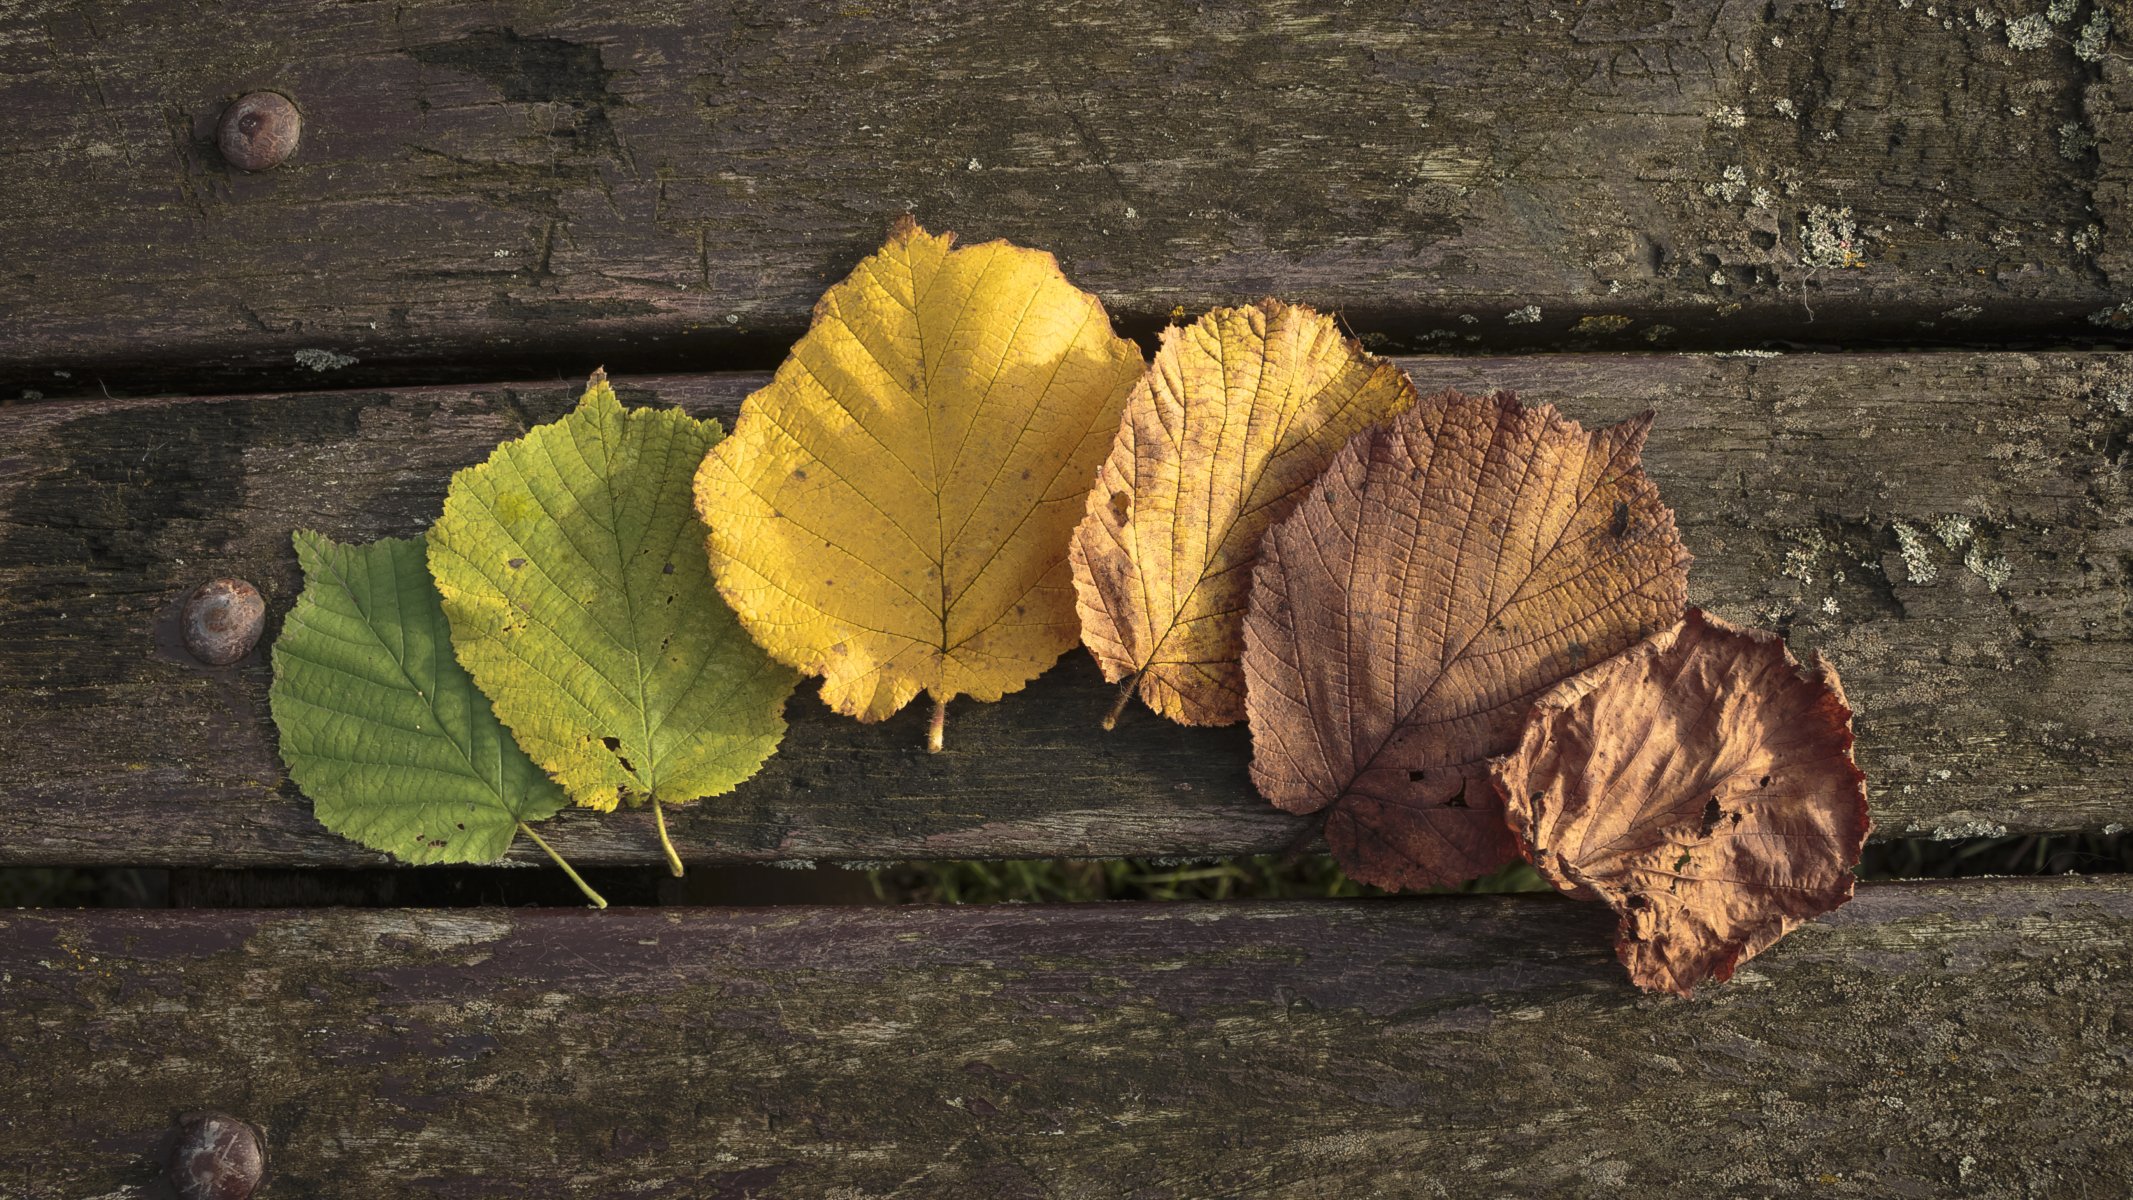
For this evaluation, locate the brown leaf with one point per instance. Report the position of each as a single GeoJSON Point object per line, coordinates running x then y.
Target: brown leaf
{"type": "Point", "coordinates": [1450, 566]}
{"type": "Point", "coordinates": [1702, 786]}
{"type": "Point", "coordinates": [1236, 418]}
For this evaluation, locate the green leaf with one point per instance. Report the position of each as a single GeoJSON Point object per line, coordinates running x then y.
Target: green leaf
{"type": "Point", "coordinates": [382, 728]}
{"type": "Point", "coordinates": [573, 572]}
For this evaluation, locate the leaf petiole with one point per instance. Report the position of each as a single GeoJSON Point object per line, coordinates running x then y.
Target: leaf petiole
{"type": "Point", "coordinates": [1128, 688]}
{"type": "Point", "coordinates": [666, 843]}
{"type": "Point", "coordinates": [598, 901]}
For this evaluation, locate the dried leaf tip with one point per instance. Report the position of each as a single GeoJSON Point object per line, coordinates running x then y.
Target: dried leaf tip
{"type": "Point", "coordinates": [1702, 785]}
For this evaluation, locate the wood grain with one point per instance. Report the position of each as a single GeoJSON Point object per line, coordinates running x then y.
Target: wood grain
{"type": "Point", "coordinates": [485, 191]}
{"type": "Point", "coordinates": [1948, 1039]}
{"type": "Point", "coordinates": [1989, 694]}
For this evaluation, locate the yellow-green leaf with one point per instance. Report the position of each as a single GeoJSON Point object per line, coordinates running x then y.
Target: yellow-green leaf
{"type": "Point", "coordinates": [572, 572]}
{"type": "Point", "coordinates": [892, 512]}
{"type": "Point", "coordinates": [1240, 412]}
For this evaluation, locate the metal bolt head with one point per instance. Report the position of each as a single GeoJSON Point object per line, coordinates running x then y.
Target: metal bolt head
{"type": "Point", "coordinates": [222, 621]}
{"type": "Point", "coordinates": [260, 131]}
{"type": "Point", "coordinates": [218, 1157]}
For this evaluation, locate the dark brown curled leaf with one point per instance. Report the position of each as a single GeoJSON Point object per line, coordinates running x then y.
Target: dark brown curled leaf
{"type": "Point", "coordinates": [1702, 785]}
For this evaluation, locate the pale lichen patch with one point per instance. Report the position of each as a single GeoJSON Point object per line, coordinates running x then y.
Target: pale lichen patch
{"type": "Point", "coordinates": [2117, 317]}
{"type": "Point", "coordinates": [1830, 238]}
{"type": "Point", "coordinates": [1994, 569]}
{"type": "Point", "coordinates": [1917, 558]}
{"type": "Point", "coordinates": [324, 360]}
{"type": "Point", "coordinates": [1951, 831]}
{"type": "Point", "coordinates": [1953, 530]}
{"type": "Point", "coordinates": [2032, 32]}
{"type": "Point", "coordinates": [2075, 141]}
{"type": "Point", "coordinates": [2095, 37]}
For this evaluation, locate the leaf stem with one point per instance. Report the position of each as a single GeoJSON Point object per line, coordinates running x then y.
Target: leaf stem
{"type": "Point", "coordinates": [1128, 688]}
{"type": "Point", "coordinates": [666, 843]}
{"type": "Point", "coordinates": [936, 727]}
{"type": "Point", "coordinates": [598, 901]}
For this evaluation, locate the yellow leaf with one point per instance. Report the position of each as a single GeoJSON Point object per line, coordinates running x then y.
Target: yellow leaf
{"type": "Point", "coordinates": [892, 512]}
{"type": "Point", "coordinates": [1239, 414]}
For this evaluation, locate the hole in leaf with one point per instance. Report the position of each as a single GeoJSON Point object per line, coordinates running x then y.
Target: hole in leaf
{"type": "Point", "coordinates": [1620, 524]}
{"type": "Point", "coordinates": [1763, 782]}
{"type": "Point", "coordinates": [1681, 864]}
{"type": "Point", "coordinates": [1417, 776]}
{"type": "Point", "coordinates": [1711, 815]}
{"type": "Point", "coordinates": [1120, 504]}
{"type": "Point", "coordinates": [1458, 800]}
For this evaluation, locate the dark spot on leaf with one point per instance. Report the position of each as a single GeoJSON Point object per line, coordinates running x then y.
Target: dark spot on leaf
{"type": "Point", "coordinates": [668, 569]}
{"type": "Point", "coordinates": [799, 472]}
{"type": "Point", "coordinates": [516, 563]}
{"type": "Point", "coordinates": [1620, 524]}
{"type": "Point", "coordinates": [1025, 473]}
{"type": "Point", "coordinates": [1577, 653]}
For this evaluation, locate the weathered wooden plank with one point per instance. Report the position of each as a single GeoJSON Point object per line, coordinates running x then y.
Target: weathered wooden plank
{"type": "Point", "coordinates": [544, 184]}
{"type": "Point", "coordinates": [1962, 1039]}
{"type": "Point", "coordinates": [1989, 675]}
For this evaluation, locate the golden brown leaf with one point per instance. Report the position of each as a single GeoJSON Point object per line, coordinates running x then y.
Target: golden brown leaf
{"type": "Point", "coordinates": [1450, 566]}
{"type": "Point", "coordinates": [1236, 417]}
{"type": "Point", "coordinates": [1702, 786]}
{"type": "Point", "coordinates": [892, 511]}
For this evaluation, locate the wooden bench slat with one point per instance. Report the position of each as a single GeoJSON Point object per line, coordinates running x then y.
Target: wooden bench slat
{"type": "Point", "coordinates": [688, 179]}
{"type": "Point", "coordinates": [1931, 1039]}
{"type": "Point", "coordinates": [1982, 709]}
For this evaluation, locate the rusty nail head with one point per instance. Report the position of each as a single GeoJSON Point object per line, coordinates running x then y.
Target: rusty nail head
{"type": "Point", "coordinates": [260, 131]}
{"type": "Point", "coordinates": [222, 621]}
{"type": "Point", "coordinates": [218, 1157]}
